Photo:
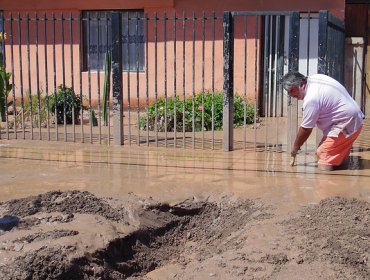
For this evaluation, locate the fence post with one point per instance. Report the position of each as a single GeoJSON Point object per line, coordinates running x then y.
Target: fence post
{"type": "Point", "coordinates": [323, 43]}
{"type": "Point", "coordinates": [293, 66]}
{"type": "Point", "coordinates": [228, 87]}
{"type": "Point", "coordinates": [117, 78]}
{"type": "Point", "coordinates": [322, 61]}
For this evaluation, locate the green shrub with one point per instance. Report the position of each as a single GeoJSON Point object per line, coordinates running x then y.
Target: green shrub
{"type": "Point", "coordinates": [5, 86]}
{"type": "Point", "coordinates": [158, 109]}
{"type": "Point", "coordinates": [65, 95]}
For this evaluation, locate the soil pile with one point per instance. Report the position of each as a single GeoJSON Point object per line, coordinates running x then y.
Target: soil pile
{"type": "Point", "coordinates": [76, 235]}
{"type": "Point", "coordinates": [336, 231]}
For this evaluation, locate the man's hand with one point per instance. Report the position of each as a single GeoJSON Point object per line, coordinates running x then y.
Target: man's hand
{"type": "Point", "coordinates": [302, 135]}
{"type": "Point", "coordinates": [294, 151]}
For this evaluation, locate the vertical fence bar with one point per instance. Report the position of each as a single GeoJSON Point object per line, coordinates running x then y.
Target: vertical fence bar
{"type": "Point", "coordinates": [228, 87]}
{"type": "Point", "coordinates": [280, 70]}
{"type": "Point", "coordinates": [21, 74]}
{"type": "Point", "coordinates": [308, 45]}
{"type": "Point", "coordinates": [15, 113]}
{"type": "Point", "coordinates": [147, 77]}
{"type": "Point", "coordinates": [107, 19]}
{"type": "Point", "coordinates": [46, 78]}
{"type": "Point", "coordinates": [323, 44]}
{"type": "Point", "coordinates": [55, 80]}
{"type": "Point", "coordinates": [293, 66]}
{"type": "Point", "coordinates": [183, 78]}
{"type": "Point", "coordinates": [276, 84]}
{"type": "Point", "coordinates": [174, 81]}
{"type": "Point", "coordinates": [308, 58]}
{"type": "Point", "coordinates": [213, 78]}
{"type": "Point", "coordinates": [37, 74]}
{"type": "Point", "coordinates": [89, 77]}
{"type": "Point", "coordinates": [193, 86]}
{"type": "Point", "coordinates": [156, 77]}
{"type": "Point", "coordinates": [98, 79]}
{"type": "Point", "coordinates": [128, 79]}
{"type": "Point", "coordinates": [4, 115]}
{"type": "Point", "coordinates": [117, 78]}
{"type": "Point", "coordinates": [29, 73]}
{"type": "Point", "coordinates": [281, 62]}
{"type": "Point", "coordinates": [269, 79]}
{"type": "Point", "coordinates": [266, 71]}
{"type": "Point", "coordinates": [203, 58]}
{"type": "Point", "coordinates": [255, 84]}
{"type": "Point", "coordinates": [165, 76]}
{"type": "Point", "coordinates": [64, 79]}
{"type": "Point", "coordinates": [274, 96]}
{"type": "Point", "coordinates": [71, 58]}
{"type": "Point", "coordinates": [338, 48]}
{"type": "Point", "coordinates": [245, 85]}
{"type": "Point", "coordinates": [137, 77]}
{"type": "Point", "coordinates": [322, 63]}
{"type": "Point", "coordinates": [80, 23]}
{"type": "Point", "coordinates": [5, 82]}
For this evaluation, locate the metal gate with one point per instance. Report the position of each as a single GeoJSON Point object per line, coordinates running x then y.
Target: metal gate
{"type": "Point", "coordinates": [310, 43]}
{"type": "Point", "coordinates": [189, 81]}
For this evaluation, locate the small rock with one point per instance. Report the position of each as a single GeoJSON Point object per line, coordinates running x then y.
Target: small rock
{"type": "Point", "coordinates": [18, 247]}
{"type": "Point", "coordinates": [300, 261]}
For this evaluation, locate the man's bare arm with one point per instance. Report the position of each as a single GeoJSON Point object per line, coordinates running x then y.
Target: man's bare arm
{"type": "Point", "coordinates": [302, 136]}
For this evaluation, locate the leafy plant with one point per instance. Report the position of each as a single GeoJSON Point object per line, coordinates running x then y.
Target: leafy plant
{"type": "Point", "coordinates": [5, 88]}
{"type": "Point", "coordinates": [38, 117]}
{"type": "Point", "coordinates": [194, 110]}
{"type": "Point", "coordinates": [4, 91]}
{"type": "Point", "coordinates": [65, 101]}
{"type": "Point", "coordinates": [93, 117]}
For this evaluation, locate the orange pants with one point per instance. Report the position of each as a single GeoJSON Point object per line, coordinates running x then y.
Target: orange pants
{"type": "Point", "coordinates": [334, 150]}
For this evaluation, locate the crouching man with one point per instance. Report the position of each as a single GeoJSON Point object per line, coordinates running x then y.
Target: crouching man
{"type": "Point", "coordinates": [327, 105]}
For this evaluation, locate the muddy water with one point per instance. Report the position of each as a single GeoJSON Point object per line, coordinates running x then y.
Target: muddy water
{"type": "Point", "coordinates": [33, 167]}
{"type": "Point", "coordinates": [203, 232]}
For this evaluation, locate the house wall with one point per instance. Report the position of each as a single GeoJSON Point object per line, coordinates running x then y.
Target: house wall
{"type": "Point", "coordinates": [334, 6]}
{"type": "Point", "coordinates": [63, 69]}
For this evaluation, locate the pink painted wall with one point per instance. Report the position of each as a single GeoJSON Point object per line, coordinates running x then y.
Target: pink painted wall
{"type": "Point", "coordinates": [335, 6]}
{"type": "Point", "coordinates": [150, 7]}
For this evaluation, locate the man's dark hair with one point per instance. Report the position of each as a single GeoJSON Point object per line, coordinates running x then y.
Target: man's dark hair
{"type": "Point", "coordinates": [292, 79]}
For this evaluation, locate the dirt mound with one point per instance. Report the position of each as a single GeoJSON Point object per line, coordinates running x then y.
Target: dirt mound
{"type": "Point", "coordinates": [205, 224]}
{"type": "Point", "coordinates": [63, 202]}
{"type": "Point", "coordinates": [164, 230]}
{"type": "Point", "coordinates": [76, 235]}
{"type": "Point", "coordinates": [336, 230]}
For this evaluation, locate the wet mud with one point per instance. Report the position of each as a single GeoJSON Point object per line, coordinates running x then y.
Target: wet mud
{"type": "Point", "coordinates": [76, 235]}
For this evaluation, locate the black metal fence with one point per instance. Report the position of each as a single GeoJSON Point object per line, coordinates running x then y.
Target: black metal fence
{"type": "Point", "coordinates": [331, 46]}
{"type": "Point", "coordinates": [191, 81]}
{"type": "Point", "coordinates": [61, 80]}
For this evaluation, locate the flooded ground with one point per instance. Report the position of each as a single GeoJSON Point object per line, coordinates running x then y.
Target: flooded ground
{"type": "Point", "coordinates": [81, 211]}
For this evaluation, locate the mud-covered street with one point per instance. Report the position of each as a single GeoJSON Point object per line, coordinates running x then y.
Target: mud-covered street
{"type": "Point", "coordinates": [92, 212]}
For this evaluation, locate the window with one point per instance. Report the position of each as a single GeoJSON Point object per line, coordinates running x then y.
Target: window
{"type": "Point", "coordinates": [97, 39]}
